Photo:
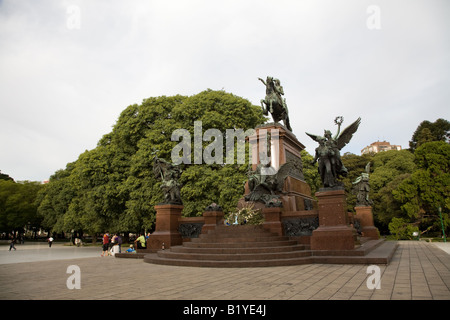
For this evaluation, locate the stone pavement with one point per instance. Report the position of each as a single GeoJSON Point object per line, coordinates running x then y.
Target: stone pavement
{"type": "Point", "coordinates": [418, 270]}
{"type": "Point", "coordinates": [31, 252]}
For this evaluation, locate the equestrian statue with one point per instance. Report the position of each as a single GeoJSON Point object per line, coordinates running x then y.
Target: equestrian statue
{"type": "Point", "coordinates": [274, 102]}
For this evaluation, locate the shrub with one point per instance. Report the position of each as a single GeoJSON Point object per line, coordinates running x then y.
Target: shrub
{"type": "Point", "coordinates": [401, 229]}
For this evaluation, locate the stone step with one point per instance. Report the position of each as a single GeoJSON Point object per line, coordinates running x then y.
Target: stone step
{"type": "Point", "coordinates": [234, 246]}
{"type": "Point", "coordinates": [233, 257]}
{"type": "Point", "coordinates": [382, 254]}
{"type": "Point", "coordinates": [234, 229]}
{"type": "Point", "coordinates": [252, 244]}
{"type": "Point", "coordinates": [236, 235]}
{"type": "Point", "coordinates": [153, 258]}
{"type": "Point", "coordinates": [184, 249]}
{"type": "Point", "coordinates": [239, 239]}
{"type": "Point", "coordinates": [362, 250]}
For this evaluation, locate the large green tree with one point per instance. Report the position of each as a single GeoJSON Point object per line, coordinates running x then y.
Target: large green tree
{"type": "Point", "coordinates": [112, 187]}
{"type": "Point", "coordinates": [387, 170]}
{"type": "Point", "coordinates": [428, 131]}
{"type": "Point", "coordinates": [17, 206]}
{"type": "Point", "coordinates": [202, 184]}
{"type": "Point", "coordinates": [390, 168]}
{"type": "Point", "coordinates": [428, 187]}
{"type": "Point", "coordinates": [54, 199]}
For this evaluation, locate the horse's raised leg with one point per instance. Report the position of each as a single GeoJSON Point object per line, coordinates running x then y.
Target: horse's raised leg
{"type": "Point", "coordinates": [286, 122]}
{"type": "Point", "coordinates": [264, 109]}
{"type": "Point", "coordinates": [270, 106]}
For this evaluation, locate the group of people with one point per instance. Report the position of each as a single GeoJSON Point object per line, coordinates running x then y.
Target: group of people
{"type": "Point", "coordinates": [113, 245]}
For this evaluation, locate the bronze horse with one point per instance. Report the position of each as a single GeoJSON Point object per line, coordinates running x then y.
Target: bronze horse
{"type": "Point", "coordinates": [274, 103]}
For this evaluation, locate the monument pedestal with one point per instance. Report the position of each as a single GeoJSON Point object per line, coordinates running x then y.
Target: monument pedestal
{"type": "Point", "coordinates": [365, 217]}
{"type": "Point", "coordinates": [280, 145]}
{"type": "Point", "coordinates": [166, 232]}
{"type": "Point", "coordinates": [272, 220]}
{"type": "Point", "coordinates": [334, 232]}
{"type": "Point", "coordinates": [212, 219]}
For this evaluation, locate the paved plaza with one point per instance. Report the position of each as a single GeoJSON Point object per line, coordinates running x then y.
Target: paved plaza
{"type": "Point", "coordinates": [418, 270]}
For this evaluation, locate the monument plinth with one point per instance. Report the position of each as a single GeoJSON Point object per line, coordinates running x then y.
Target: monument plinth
{"type": "Point", "coordinates": [274, 145]}
{"type": "Point", "coordinates": [212, 219]}
{"type": "Point", "coordinates": [166, 231]}
{"type": "Point", "coordinates": [276, 142]}
{"type": "Point", "coordinates": [334, 232]}
{"type": "Point", "coordinates": [272, 220]}
{"type": "Point", "coordinates": [365, 218]}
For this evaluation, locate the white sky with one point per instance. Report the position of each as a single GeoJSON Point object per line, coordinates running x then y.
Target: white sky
{"type": "Point", "coordinates": [65, 78]}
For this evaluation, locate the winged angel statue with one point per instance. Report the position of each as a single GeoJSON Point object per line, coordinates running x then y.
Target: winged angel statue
{"type": "Point", "coordinates": [328, 152]}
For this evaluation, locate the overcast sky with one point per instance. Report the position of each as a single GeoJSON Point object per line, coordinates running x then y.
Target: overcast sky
{"type": "Point", "coordinates": [68, 68]}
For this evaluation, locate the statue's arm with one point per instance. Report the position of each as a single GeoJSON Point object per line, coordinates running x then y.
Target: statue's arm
{"type": "Point", "coordinates": [358, 180]}
{"type": "Point", "coordinates": [337, 133]}
{"type": "Point", "coordinates": [262, 81]}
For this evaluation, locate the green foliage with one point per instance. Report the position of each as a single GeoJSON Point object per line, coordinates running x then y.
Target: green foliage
{"type": "Point", "coordinates": [17, 205]}
{"type": "Point", "coordinates": [206, 184]}
{"type": "Point", "coordinates": [387, 170]}
{"type": "Point", "coordinates": [4, 176]}
{"type": "Point", "coordinates": [389, 164]}
{"type": "Point", "coordinates": [112, 187]}
{"type": "Point", "coordinates": [405, 185]}
{"type": "Point", "coordinates": [390, 168]}
{"type": "Point", "coordinates": [428, 187]}
{"type": "Point", "coordinates": [402, 230]}
{"type": "Point", "coordinates": [430, 131]}
{"type": "Point", "coordinates": [311, 172]}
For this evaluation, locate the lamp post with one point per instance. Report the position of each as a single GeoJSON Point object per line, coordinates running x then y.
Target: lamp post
{"type": "Point", "coordinates": [442, 223]}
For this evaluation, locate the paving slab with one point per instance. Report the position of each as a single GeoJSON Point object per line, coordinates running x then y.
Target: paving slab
{"type": "Point", "coordinates": [417, 270]}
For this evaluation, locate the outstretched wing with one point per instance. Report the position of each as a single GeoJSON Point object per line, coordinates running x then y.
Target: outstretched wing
{"type": "Point", "coordinates": [292, 168]}
{"type": "Point", "coordinates": [347, 134]}
{"type": "Point", "coordinates": [315, 137]}
{"type": "Point", "coordinates": [368, 167]}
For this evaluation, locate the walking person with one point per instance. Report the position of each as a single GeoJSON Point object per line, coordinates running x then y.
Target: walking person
{"type": "Point", "coordinates": [50, 241]}
{"type": "Point", "coordinates": [105, 244]}
{"type": "Point", "coordinates": [11, 244]}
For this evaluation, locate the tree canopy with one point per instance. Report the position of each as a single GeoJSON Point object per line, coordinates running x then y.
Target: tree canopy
{"type": "Point", "coordinates": [430, 131]}
{"type": "Point", "coordinates": [428, 187]}
{"type": "Point", "coordinates": [112, 187]}
{"type": "Point", "coordinates": [18, 205]}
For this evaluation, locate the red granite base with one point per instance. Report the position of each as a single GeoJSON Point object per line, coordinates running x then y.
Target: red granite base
{"type": "Point", "coordinates": [333, 238]}
{"type": "Point", "coordinates": [334, 231]}
{"type": "Point", "coordinates": [365, 217]}
{"type": "Point", "coordinates": [166, 234]}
